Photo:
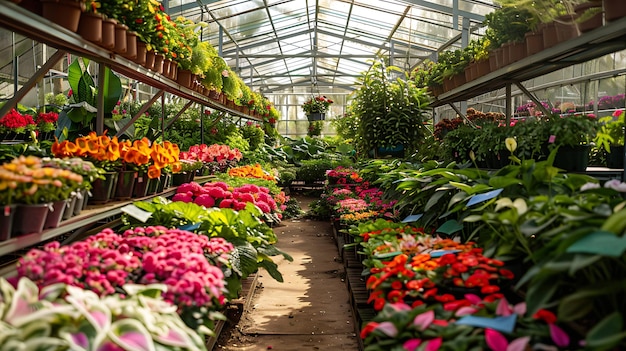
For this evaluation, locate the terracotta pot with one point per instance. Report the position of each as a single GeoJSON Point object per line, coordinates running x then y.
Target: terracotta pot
{"type": "Point", "coordinates": [65, 13]}
{"type": "Point", "coordinates": [150, 58]}
{"type": "Point", "coordinates": [468, 72]}
{"type": "Point", "coordinates": [614, 9]}
{"type": "Point", "coordinates": [120, 38]}
{"type": "Point", "coordinates": [108, 33]}
{"type": "Point", "coordinates": [158, 63]}
{"type": "Point", "coordinates": [482, 68]}
{"type": "Point", "coordinates": [459, 79]}
{"type": "Point", "coordinates": [548, 32]}
{"type": "Point", "coordinates": [141, 52]}
{"type": "Point", "coordinates": [184, 78]}
{"type": "Point", "coordinates": [174, 71]}
{"type": "Point", "coordinates": [565, 28]}
{"type": "Point", "coordinates": [505, 55]}
{"type": "Point", "coordinates": [214, 95]}
{"type": "Point", "coordinates": [517, 51]}
{"type": "Point", "coordinates": [33, 6]}
{"type": "Point", "coordinates": [594, 21]}
{"type": "Point", "coordinates": [167, 63]}
{"type": "Point", "coordinates": [90, 27]}
{"type": "Point", "coordinates": [493, 60]}
{"type": "Point", "coordinates": [534, 42]}
{"type": "Point", "coordinates": [131, 45]}
{"type": "Point", "coordinates": [448, 84]}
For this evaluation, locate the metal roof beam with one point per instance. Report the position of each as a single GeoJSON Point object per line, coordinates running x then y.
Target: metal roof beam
{"type": "Point", "coordinates": [451, 10]}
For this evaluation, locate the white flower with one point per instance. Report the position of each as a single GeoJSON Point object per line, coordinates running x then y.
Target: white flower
{"type": "Point", "coordinates": [616, 185]}
{"type": "Point", "coordinates": [589, 185]}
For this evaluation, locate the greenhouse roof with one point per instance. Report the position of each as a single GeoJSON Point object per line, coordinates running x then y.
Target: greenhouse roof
{"type": "Point", "coordinates": [275, 45]}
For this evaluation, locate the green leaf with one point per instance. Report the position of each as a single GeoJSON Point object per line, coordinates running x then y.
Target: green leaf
{"type": "Point", "coordinates": [434, 199]}
{"type": "Point", "coordinates": [600, 243]}
{"type": "Point", "coordinates": [112, 90]}
{"type": "Point", "coordinates": [607, 333]}
{"type": "Point", "coordinates": [449, 227]}
{"type": "Point", "coordinates": [539, 294]}
{"type": "Point", "coordinates": [272, 269]}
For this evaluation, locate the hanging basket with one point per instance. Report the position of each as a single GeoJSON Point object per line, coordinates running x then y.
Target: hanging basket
{"type": "Point", "coordinates": [316, 116]}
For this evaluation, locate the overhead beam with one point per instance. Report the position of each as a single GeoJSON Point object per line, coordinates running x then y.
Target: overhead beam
{"type": "Point", "coordinates": [446, 9]}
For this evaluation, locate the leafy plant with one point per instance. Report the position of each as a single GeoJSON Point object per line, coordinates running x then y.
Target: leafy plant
{"type": "Point", "coordinates": [390, 111]}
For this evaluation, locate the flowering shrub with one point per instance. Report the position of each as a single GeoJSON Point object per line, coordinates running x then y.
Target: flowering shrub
{"type": "Point", "coordinates": [343, 175]}
{"type": "Point", "coordinates": [46, 121]}
{"type": "Point", "coordinates": [112, 154]}
{"type": "Point", "coordinates": [185, 262]}
{"type": "Point", "coordinates": [219, 194]}
{"type": "Point", "coordinates": [218, 157]}
{"type": "Point", "coordinates": [16, 122]}
{"type": "Point", "coordinates": [251, 171]}
{"type": "Point", "coordinates": [26, 180]}
{"type": "Point", "coordinates": [317, 104]}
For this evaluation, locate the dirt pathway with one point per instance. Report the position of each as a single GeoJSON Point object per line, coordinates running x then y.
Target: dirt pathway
{"type": "Point", "coordinates": [310, 310]}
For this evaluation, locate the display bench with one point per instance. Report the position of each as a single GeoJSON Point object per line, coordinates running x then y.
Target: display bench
{"type": "Point", "coordinates": [24, 22]}
{"type": "Point", "coordinates": [593, 44]}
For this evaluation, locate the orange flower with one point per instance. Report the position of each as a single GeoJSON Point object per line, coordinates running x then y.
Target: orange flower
{"type": "Point", "coordinates": [154, 172]}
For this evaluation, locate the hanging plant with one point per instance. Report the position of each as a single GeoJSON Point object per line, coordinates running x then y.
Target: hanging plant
{"type": "Point", "coordinates": [391, 111]}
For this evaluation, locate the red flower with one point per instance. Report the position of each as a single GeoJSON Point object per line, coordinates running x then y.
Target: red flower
{"type": "Point", "coordinates": [396, 285]}
{"type": "Point", "coordinates": [546, 316]}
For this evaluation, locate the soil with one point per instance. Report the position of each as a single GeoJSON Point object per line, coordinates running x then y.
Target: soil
{"type": "Point", "coordinates": [310, 310]}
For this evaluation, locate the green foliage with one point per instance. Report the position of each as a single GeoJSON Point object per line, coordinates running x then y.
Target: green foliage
{"type": "Point", "coordinates": [509, 24]}
{"type": "Point", "coordinates": [390, 111]}
{"type": "Point", "coordinates": [314, 170]}
{"type": "Point", "coordinates": [254, 135]}
{"type": "Point", "coordinates": [346, 126]}
{"type": "Point", "coordinates": [78, 117]}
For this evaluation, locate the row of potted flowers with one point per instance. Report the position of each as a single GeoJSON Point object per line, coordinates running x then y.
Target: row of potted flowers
{"type": "Point", "coordinates": [500, 260]}
{"type": "Point", "coordinates": [143, 32]}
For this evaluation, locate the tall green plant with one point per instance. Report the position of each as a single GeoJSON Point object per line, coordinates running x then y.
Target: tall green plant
{"type": "Point", "coordinates": [391, 111]}
{"type": "Point", "coordinates": [78, 117]}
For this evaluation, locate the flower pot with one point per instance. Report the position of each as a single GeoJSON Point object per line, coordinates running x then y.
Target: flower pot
{"type": "Point", "coordinates": [167, 65]}
{"type": "Point", "coordinates": [565, 28]}
{"type": "Point", "coordinates": [70, 206]}
{"type": "Point", "coordinates": [184, 78]}
{"type": "Point", "coordinates": [572, 158]}
{"type": "Point", "coordinates": [594, 21]}
{"type": "Point", "coordinates": [103, 189]}
{"type": "Point", "coordinates": [517, 51]}
{"type": "Point", "coordinates": [482, 68]}
{"type": "Point", "coordinates": [505, 55]}
{"type": "Point", "coordinates": [153, 186]}
{"type": "Point", "coordinates": [448, 84]}
{"type": "Point", "coordinates": [81, 201]}
{"type": "Point", "coordinates": [131, 45]}
{"type": "Point", "coordinates": [90, 27]}
{"type": "Point", "coordinates": [120, 38]}
{"type": "Point", "coordinates": [6, 221]}
{"type": "Point", "coordinates": [150, 58]}
{"type": "Point", "coordinates": [65, 13]}
{"type": "Point", "coordinates": [469, 74]}
{"type": "Point", "coordinates": [29, 219]}
{"type": "Point", "coordinates": [141, 185]}
{"type": "Point", "coordinates": [34, 6]}
{"type": "Point", "coordinates": [615, 159]}
{"type": "Point", "coordinates": [141, 53]}
{"type": "Point", "coordinates": [125, 185]}
{"type": "Point", "coordinates": [614, 9]}
{"type": "Point", "coordinates": [534, 42]}
{"type": "Point", "coordinates": [494, 63]}
{"type": "Point", "coordinates": [164, 183]}
{"type": "Point", "coordinates": [179, 178]}
{"type": "Point", "coordinates": [459, 79]}
{"type": "Point", "coordinates": [316, 116]}
{"type": "Point", "coordinates": [108, 33]}
{"type": "Point", "coordinates": [395, 151]}
{"type": "Point", "coordinates": [55, 214]}
{"type": "Point", "coordinates": [158, 63]}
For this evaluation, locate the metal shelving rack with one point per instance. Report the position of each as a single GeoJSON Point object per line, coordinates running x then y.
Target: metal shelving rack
{"type": "Point", "coordinates": [596, 43]}
{"type": "Point", "coordinates": [19, 20]}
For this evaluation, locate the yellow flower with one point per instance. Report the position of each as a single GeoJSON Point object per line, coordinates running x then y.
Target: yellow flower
{"type": "Point", "coordinates": [511, 144]}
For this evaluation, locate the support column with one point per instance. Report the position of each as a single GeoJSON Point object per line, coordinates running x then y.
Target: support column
{"type": "Point", "coordinates": [508, 106]}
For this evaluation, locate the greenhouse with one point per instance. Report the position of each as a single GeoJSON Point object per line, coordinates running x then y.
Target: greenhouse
{"type": "Point", "coordinates": [413, 175]}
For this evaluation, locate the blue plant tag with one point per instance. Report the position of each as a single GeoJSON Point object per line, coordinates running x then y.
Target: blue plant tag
{"type": "Point", "coordinates": [484, 197]}
{"type": "Point", "coordinates": [412, 218]}
{"type": "Point", "coordinates": [190, 227]}
{"type": "Point", "coordinates": [501, 324]}
{"type": "Point", "coordinates": [439, 253]}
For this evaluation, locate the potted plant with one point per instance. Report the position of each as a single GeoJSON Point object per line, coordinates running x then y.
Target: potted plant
{"type": "Point", "coordinates": [15, 125]}
{"type": "Point", "coordinates": [315, 128]}
{"type": "Point", "coordinates": [573, 136]}
{"type": "Point", "coordinates": [316, 107]}
{"type": "Point", "coordinates": [610, 137]}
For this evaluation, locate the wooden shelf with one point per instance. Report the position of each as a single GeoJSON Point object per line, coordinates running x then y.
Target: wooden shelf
{"type": "Point", "coordinates": [596, 43]}
{"type": "Point", "coordinates": [19, 20]}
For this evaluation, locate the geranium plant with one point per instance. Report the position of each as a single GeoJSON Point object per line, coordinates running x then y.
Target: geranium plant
{"type": "Point", "coordinates": [317, 104]}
